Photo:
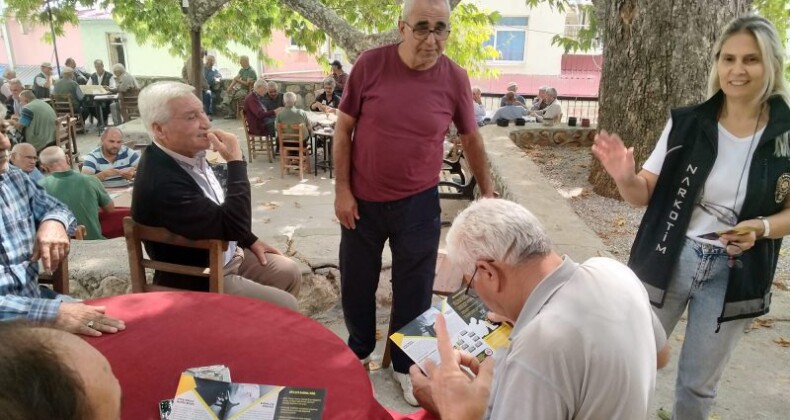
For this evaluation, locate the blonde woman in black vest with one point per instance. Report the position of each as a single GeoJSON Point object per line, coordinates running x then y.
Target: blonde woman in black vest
{"type": "Point", "coordinates": [719, 166]}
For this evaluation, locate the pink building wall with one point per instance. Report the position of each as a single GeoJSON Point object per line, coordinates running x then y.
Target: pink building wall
{"type": "Point", "coordinates": [29, 48]}
{"type": "Point", "coordinates": [290, 59]}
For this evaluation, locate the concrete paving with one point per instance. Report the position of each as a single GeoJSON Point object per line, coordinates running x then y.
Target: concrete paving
{"type": "Point", "coordinates": [298, 217]}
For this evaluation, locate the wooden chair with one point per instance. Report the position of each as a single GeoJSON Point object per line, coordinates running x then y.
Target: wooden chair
{"type": "Point", "coordinates": [257, 144]}
{"type": "Point", "coordinates": [59, 279]}
{"type": "Point", "coordinates": [66, 137]}
{"type": "Point", "coordinates": [447, 281]}
{"type": "Point", "coordinates": [63, 105]}
{"type": "Point", "coordinates": [293, 153]}
{"type": "Point", "coordinates": [136, 233]}
{"type": "Point", "coordinates": [128, 104]}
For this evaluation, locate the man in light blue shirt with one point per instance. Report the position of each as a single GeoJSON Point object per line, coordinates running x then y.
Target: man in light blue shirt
{"type": "Point", "coordinates": [23, 156]}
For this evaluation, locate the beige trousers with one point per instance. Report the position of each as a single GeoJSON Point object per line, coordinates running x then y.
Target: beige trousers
{"type": "Point", "coordinates": [277, 282]}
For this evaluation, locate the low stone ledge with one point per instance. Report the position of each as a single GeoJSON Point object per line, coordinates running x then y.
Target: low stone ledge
{"type": "Point", "coordinates": [535, 134]}
{"type": "Point", "coordinates": [518, 179]}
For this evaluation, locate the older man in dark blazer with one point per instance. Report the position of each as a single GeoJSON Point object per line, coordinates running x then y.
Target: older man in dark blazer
{"type": "Point", "coordinates": [176, 189]}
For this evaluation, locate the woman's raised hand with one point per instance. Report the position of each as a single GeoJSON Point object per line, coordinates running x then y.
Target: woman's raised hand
{"type": "Point", "coordinates": [617, 159]}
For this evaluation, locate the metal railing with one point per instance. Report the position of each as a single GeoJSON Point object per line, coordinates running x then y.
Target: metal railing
{"type": "Point", "coordinates": [572, 106]}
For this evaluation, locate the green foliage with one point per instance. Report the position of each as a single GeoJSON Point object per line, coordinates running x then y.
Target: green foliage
{"type": "Point", "coordinates": [250, 23]}
{"type": "Point", "coordinates": [585, 40]}
{"type": "Point", "coordinates": [777, 12]}
{"type": "Point", "coordinates": [471, 27]}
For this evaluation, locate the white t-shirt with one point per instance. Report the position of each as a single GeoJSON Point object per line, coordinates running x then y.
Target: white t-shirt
{"type": "Point", "coordinates": [583, 347]}
{"type": "Point", "coordinates": [734, 158]}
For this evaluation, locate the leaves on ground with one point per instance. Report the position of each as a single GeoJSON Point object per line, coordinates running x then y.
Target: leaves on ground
{"type": "Point", "coordinates": [760, 323]}
{"type": "Point", "coordinates": [270, 205]}
{"type": "Point", "coordinates": [783, 342]}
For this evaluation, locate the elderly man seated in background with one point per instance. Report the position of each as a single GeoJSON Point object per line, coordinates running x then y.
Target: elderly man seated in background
{"type": "Point", "coordinates": [80, 75]}
{"type": "Point", "coordinates": [37, 121]}
{"type": "Point", "coordinates": [292, 115]}
{"type": "Point", "coordinates": [83, 194]}
{"type": "Point", "coordinates": [511, 109]}
{"type": "Point", "coordinates": [124, 82]}
{"type": "Point", "coordinates": [539, 103]}
{"type": "Point", "coordinates": [339, 76]}
{"type": "Point", "coordinates": [273, 99]}
{"type": "Point", "coordinates": [111, 160]}
{"type": "Point", "coordinates": [255, 111]}
{"type": "Point", "coordinates": [328, 100]}
{"type": "Point", "coordinates": [552, 111]}
{"type": "Point", "coordinates": [205, 91]}
{"type": "Point", "coordinates": [585, 342]}
{"type": "Point", "coordinates": [14, 104]}
{"type": "Point", "coordinates": [50, 374]}
{"type": "Point", "coordinates": [35, 227]}
{"type": "Point", "coordinates": [23, 156]}
{"type": "Point", "coordinates": [480, 109]}
{"type": "Point", "coordinates": [8, 75]}
{"type": "Point", "coordinates": [512, 87]}
{"type": "Point", "coordinates": [42, 83]}
{"type": "Point", "coordinates": [68, 86]}
{"type": "Point", "coordinates": [214, 80]}
{"type": "Point", "coordinates": [177, 190]}
{"type": "Point", "coordinates": [240, 87]}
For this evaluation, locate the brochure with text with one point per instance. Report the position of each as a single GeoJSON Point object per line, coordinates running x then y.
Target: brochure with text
{"type": "Point", "coordinates": [198, 399]}
{"type": "Point", "coordinates": [467, 326]}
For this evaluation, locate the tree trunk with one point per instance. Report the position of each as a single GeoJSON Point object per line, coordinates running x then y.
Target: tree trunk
{"type": "Point", "coordinates": [197, 70]}
{"type": "Point", "coordinates": [656, 56]}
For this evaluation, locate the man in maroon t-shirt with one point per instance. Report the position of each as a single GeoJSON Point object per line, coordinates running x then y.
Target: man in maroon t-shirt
{"type": "Point", "coordinates": [397, 106]}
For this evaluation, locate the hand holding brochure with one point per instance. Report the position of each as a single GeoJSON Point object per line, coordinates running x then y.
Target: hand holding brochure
{"type": "Point", "coordinates": [467, 327]}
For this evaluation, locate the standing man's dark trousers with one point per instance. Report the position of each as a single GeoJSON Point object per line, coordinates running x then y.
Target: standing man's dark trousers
{"type": "Point", "coordinates": [413, 226]}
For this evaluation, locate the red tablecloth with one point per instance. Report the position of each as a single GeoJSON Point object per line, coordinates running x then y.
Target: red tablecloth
{"type": "Point", "coordinates": [261, 343]}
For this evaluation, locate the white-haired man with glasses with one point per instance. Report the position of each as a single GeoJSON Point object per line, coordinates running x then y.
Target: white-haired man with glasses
{"type": "Point", "coordinates": [585, 341]}
{"type": "Point", "coordinates": [397, 105]}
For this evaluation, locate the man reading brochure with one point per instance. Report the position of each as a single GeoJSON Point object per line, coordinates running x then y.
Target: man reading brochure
{"type": "Point", "coordinates": [585, 342]}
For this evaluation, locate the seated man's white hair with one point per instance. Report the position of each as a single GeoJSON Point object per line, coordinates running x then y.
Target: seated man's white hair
{"type": "Point", "coordinates": [272, 85]}
{"type": "Point", "coordinates": [19, 146]}
{"type": "Point", "coordinates": [329, 82]}
{"type": "Point", "coordinates": [258, 83]}
{"type": "Point", "coordinates": [118, 67]}
{"type": "Point", "coordinates": [289, 99]}
{"type": "Point", "coordinates": [551, 92]}
{"type": "Point", "coordinates": [154, 101]}
{"type": "Point", "coordinates": [488, 228]}
{"type": "Point", "coordinates": [476, 89]}
{"type": "Point", "coordinates": [52, 154]}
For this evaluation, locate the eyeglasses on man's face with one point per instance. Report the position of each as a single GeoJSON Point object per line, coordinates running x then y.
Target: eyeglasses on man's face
{"type": "Point", "coordinates": [421, 30]}
{"type": "Point", "coordinates": [471, 292]}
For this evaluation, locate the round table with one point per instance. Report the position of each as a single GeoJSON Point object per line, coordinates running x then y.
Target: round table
{"type": "Point", "coordinates": [168, 332]}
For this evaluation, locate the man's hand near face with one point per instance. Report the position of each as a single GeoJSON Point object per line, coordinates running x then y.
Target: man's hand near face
{"type": "Point", "coordinates": [226, 144]}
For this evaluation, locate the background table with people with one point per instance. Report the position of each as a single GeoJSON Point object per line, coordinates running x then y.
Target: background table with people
{"type": "Point", "coordinates": [168, 332]}
{"type": "Point", "coordinates": [323, 132]}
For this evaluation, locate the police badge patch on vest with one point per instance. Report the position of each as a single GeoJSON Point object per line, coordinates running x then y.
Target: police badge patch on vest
{"type": "Point", "coordinates": [782, 188]}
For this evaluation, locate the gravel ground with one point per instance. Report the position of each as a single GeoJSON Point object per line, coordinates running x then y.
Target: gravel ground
{"type": "Point", "coordinates": [615, 221]}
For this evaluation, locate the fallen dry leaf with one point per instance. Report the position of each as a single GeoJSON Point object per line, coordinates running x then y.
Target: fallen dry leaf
{"type": "Point", "coordinates": [781, 285]}
{"type": "Point", "coordinates": [270, 205]}
{"type": "Point", "coordinates": [619, 221]}
{"type": "Point", "coordinates": [782, 342]}
{"type": "Point", "coordinates": [762, 323]}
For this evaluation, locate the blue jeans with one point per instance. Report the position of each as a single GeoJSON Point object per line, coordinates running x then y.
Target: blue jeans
{"type": "Point", "coordinates": [207, 100]}
{"type": "Point", "coordinates": [699, 281]}
{"type": "Point", "coordinates": [412, 226]}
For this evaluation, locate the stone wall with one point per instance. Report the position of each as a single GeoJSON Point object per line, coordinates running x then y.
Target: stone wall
{"type": "Point", "coordinates": [558, 135]}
